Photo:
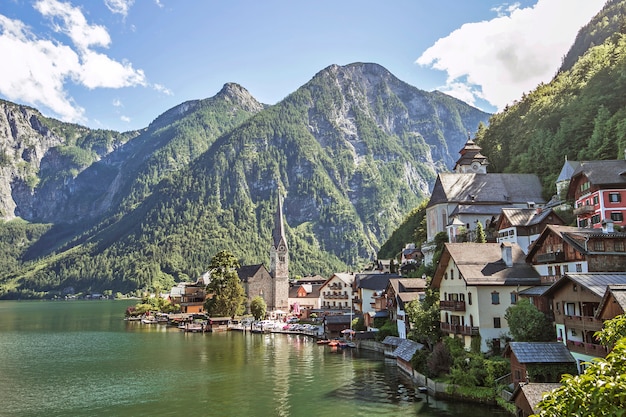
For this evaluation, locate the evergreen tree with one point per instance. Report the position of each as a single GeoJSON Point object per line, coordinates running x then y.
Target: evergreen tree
{"type": "Point", "coordinates": [480, 234]}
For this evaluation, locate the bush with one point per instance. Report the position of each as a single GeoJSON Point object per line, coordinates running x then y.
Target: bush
{"type": "Point", "coordinates": [390, 328]}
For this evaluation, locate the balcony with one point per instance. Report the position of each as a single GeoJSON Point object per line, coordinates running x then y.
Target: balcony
{"type": "Point", "coordinates": [458, 329]}
{"type": "Point", "coordinates": [452, 305]}
{"type": "Point", "coordinates": [551, 257]}
{"type": "Point", "coordinates": [587, 348]}
{"type": "Point", "coordinates": [578, 211]}
{"type": "Point", "coordinates": [583, 322]}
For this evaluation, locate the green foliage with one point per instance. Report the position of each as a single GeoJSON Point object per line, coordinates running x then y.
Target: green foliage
{"type": "Point", "coordinates": [440, 360]}
{"type": "Point", "coordinates": [390, 328]}
{"type": "Point", "coordinates": [425, 317]}
{"type": "Point", "coordinates": [527, 324]}
{"type": "Point", "coordinates": [600, 390]}
{"type": "Point", "coordinates": [612, 331]}
{"type": "Point", "coordinates": [258, 308]}
{"type": "Point", "coordinates": [412, 229]}
{"type": "Point", "coordinates": [226, 295]}
{"type": "Point", "coordinates": [481, 237]}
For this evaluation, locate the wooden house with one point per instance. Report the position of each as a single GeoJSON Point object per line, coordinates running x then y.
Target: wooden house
{"type": "Point", "coordinates": [526, 397]}
{"type": "Point", "coordinates": [539, 361]}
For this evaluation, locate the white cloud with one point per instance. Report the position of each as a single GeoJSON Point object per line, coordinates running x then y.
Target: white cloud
{"type": "Point", "coordinates": [117, 103]}
{"type": "Point", "coordinates": [162, 89]}
{"type": "Point", "coordinates": [125, 119]}
{"type": "Point", "coordinates": [500, 59]}
{"type": "Point", "coordinates": [119, 6]}
{"type": "Point", "coordinates": [40, 68]}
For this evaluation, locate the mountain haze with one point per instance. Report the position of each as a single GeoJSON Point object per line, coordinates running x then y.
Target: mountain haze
{"type": "Point", "coordinates": [352, 151]}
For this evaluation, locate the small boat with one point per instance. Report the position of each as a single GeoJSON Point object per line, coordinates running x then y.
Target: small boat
{"type": "Point", "coordinates": [351, 344]}
{"type": "Point", "coordinates": [323, 342]}
{"type": "Point", "coordinates": [149, 320]}
{"type": "Point", "coordinates": [333, 343]}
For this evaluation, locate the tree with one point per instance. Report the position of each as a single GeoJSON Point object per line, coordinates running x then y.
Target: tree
{"type": "Point", "coordinates": [527, 324]}
{"type": "Point", "coordinates": [601, 389]}
{"type": "Point", "coordinates": [480, 233]}
{"type": "Point", "coordinates": [226, 295]}
{"type": "Point", "coordinates": [258, 307]}
{"type": "Point", "coordinates": [424, 317]}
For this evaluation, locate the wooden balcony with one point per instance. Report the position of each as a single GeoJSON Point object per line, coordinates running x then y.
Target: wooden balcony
{"type": "Point", "coordinates": [551, 257]}
{"type": "Point", "coordinates": [582, 322]}
{"type": "Point", "coordinates": [452, 305]}
{"type": "Point", "coordinates": [458, 329]}
{"type": "Point", "coordinates": [590, 349]}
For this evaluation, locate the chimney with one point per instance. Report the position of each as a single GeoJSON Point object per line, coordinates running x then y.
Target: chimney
{"type": "Point", "coordinates": [607, 226]}
{"type": "Point", "coordinates": [507, 254]}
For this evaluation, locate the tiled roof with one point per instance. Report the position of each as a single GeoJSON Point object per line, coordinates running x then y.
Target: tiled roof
{"type": "Point", "coordinates": [539, 352]}
{"type": "Point", "coordinates": [617, 293]}
{"type": "Point", "coordinates": [484, 209]}
{"type": "Point", "coordinates": [376, 282]}
{"type": "Point", "coordinates": [525, 216]}
{"type": "Point", "coordinates": [407, 349]}
{"type": "Point", "coordinates": [534, 393]}
{"type": "Point", "coordinates": [392, 341]}
{"type": "Point", "coordinates": [596, 282]}
{"type": "Point", "coordinates": [568, 169]}
{"type": "Point", "coordinates": [535, 291]}
{"type": "Point", "coordinates": [337, 319]}
{"type": "Point", "coordinates": [482, 264]}
{"type": "Point", "coordinates": [486, 189]}
{"type": "Point", "coordinates": [607, 172]}
{"type": "Point", "coordinates": [248, 271]}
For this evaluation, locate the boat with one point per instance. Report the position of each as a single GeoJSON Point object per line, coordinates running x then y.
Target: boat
{"type": "Point", "coordinates": [323, 341]}
{"type": "Point", "coordinates": [149, 320]}
{"type": "Point", "coordinates": [333, 343]}
{"type": "Point", "coordinates": [351, 344]}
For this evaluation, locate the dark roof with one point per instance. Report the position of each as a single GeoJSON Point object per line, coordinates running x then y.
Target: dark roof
{"type": "Point", "coordinates": [596, 282]}
{"type": "Point", "coordinates": [278, 234]}
{"type": "Point", "coordinates": [539, 352]}
{"type": "Point", "coordinates": [539, 290]}
{"type": "Point", "coordinates": [484, 209]}
{"type": "Point", "coordinates": [392, 341]}
{"type": "Point", "coordinates": [248, 271]}
{"type": "Point", "coordinates": [568, 170]}
{"type": "Point", "coordinates": [482, 264]}
{"type": "Point", "coordinates": [607, 172]}
{"type": "Point", "coordinates": [376, 282]}
{"type": "Point", "coordinates": [337, 319]}
{"type": "Point", "coordinates": [407, 349]}
{"type": "Point", "coordinates": [314, 293]}
{"type": "Point", "coordinates": [576, 237]}
{"type": "Point", "coordinates": [486, 189]}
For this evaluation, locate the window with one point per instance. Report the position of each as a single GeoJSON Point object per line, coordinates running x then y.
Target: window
{"type": "Point", "coordinates": [619, 246]}
{"type": "Point", "coordinates": [617, 216]}
{"type": "Point", "coordinates": [445, 276]}
{"type": "Point", "coordinates": [583, 223]}
{"type": "Point", "coordinates": [579, 267]}
{"type": "Point", "coordinates": [550, 270]}
{"type": "Point", "coordinates": [595, 219]}
{"type": "Point", "coordinates": [595, 199]}
{"type": "Point", "coordinates": [513, 298]}
{"type": "Point", "coordinates": [615, 197]}
{"type": "Point", "coordinates": [598, 245]}
{"type": "Point", "coordinates": [565, 269]}
{"type": "Point", "coordinates": [496, 322]}
{"type": "Point", "coordinates": [495, 298]}
{"type": "Point", "coordinates": [469, 298]}
{"type": "Point", "coordinates": [452, 274]}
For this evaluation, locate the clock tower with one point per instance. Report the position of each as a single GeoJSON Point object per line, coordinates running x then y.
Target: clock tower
{"type": "Point", "coordinates": [279, 261]}
{"type": "Point", "coordinates": [471, 160]}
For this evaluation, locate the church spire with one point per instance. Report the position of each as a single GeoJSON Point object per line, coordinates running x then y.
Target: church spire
{"type": "Point", "coordinates": [278, 234]}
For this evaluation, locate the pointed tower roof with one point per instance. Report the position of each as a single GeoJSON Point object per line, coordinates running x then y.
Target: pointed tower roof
{"type": "Point", "coordinates": [278, 235]}
{"type": "Point", "coordinates": [470, 154]}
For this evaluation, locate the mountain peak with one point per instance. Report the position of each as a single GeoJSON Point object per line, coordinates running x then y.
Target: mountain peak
{"type": "Point", "coordinates": [237, 94]}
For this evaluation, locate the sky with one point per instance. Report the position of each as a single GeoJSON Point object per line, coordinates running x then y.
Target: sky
{"type": "Point", "coordinates": [119, 64]}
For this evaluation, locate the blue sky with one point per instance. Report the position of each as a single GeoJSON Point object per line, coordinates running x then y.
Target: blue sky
{"type": "Point", "coordinates": [118, 64]}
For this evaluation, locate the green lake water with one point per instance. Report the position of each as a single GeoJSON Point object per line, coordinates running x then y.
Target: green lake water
{"type": "Point", "coordinates": [80, 358]}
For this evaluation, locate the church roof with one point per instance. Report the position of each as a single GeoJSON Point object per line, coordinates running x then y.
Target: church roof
{"type": "Point", "coordinates": [486, 189]}
{"type": "Point", "coordinates": [567, 170]}
{"type": "Point", "coordinates": [248, 271]}
{"type": "Point", "coordinates": [278, 235]}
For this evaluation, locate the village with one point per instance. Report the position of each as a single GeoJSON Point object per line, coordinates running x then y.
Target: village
{"type": "Point", "coordinates": [574, 275]}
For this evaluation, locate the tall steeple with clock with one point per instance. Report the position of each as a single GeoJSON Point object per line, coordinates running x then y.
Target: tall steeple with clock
{"type": "Point", "coordinates": [279, 261]}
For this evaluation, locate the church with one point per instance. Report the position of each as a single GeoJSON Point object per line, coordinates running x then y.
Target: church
{"type": "Point", "coordinates": [272, 285]}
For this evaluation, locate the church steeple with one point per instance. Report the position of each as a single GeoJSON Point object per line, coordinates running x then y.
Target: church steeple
{"type": "Point", "coordinates": [279, 260]}
{"type": "Point", "coordinates": [471, 160]}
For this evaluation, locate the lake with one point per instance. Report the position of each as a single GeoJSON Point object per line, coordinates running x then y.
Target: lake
{"type": "Point", "coordinates": [80, 358]}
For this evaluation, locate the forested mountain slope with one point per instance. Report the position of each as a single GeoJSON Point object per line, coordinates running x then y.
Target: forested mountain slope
{"type": "Point", "coordinates": [352, 152]}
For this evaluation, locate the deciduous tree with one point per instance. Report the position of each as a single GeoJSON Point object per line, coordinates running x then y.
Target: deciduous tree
{"type": "Point", "coordinates": [527, 324]}
{"type": "Point", "coordinates": [226, 295]}
{"type": "Point", "coordinates": [258, 307]}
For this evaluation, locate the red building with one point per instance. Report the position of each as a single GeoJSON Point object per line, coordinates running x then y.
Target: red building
{"type": "Point", "coordinates": [599, 191]}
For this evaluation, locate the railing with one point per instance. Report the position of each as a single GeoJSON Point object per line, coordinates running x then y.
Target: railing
{"type": "Point", "coordinates": [551, 257]}
{"type": "Point", "coordinates": [452, 305]}
{"type": "Point", "coordinates": [587, 348]}
{"type": "Point", "coordinates": [582, 322]}
{"type": "Point", "coordinates": [584, 209]}
{"type": "Point", "coordinates": [458, 329]}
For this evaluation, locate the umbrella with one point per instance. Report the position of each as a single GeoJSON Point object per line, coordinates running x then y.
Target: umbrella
{"type": "Point", "coordinates": [346, 331]}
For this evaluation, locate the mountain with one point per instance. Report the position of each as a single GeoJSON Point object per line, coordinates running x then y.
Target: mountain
{"type": "Point", "coordinates": [352, 151]}
{"type": "Point", "coordinates": [579, 115]}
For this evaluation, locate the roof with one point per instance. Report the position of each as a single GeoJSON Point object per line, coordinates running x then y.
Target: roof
{"type": "Point", "coordinates": [539, 290]}
{"type": "Point", "coordinates": [534, 393]}
{"type": "Point", "coordinates": [482, 264]}
{"type": "Point", "coordinates": [486, 189]}
{"type": "Point", "coordinates": [376, 282]}
{"type": "Point", "coordinates": [616, 292]}
{"type": "Point", "coordinates": [248, 271]}
{"type": "Point", "coordinates": [337, 319]}
{"type": "Point", "coordinates": [576, 237]}
{"type": "Point", "coordinates": [568, 169]}
{"type": "Point", "coordinates": [484, 209]}
{"type": "Point", "coordinates": [312, 290]}
{"type": "Point", "coordinates": [596, 282]}
{"type": "Point", "coordinates": [539, 352]}
{"type": "Point", "coordinates": [607, 172]}
{"type": "Point", "coordinates": [392, 341]}
{"type": "Point", "coordinates": [407, 349]}
{"type": "Point", "coordinates": [520, 217]}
